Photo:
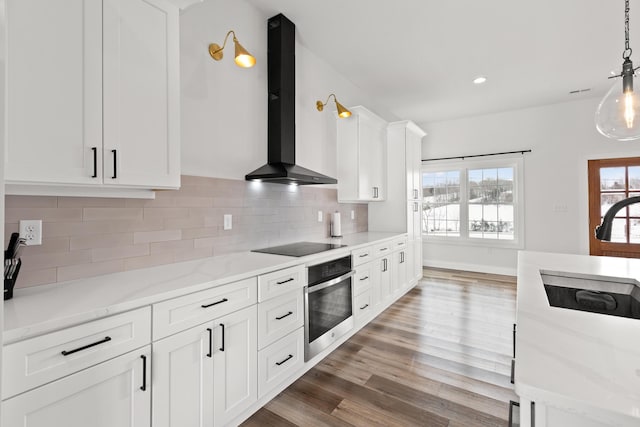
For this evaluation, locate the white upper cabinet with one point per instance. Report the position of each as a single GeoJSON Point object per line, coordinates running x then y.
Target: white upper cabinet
{"type": "Point", "coordinates": [361, 157]}
{"type": "Point", "coordinates": [93, 93]}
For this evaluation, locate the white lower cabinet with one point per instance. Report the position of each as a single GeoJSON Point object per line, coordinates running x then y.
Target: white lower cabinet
{"type": "Point", "coordinates": [363, 307]}
{"type": "Point", "coordinates": [113, 393]}
{"type": "Point", "coordinates": [280, 360]}
{"type": "Point", "coordinates": [183, 379]}
{"type": "Point", "coordinates": [235, 351]}
{"type": "Point", "coordinates": [206, 375]}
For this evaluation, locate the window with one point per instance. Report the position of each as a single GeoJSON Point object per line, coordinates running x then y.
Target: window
{"type": "Point", "coordinates": [473, 202]}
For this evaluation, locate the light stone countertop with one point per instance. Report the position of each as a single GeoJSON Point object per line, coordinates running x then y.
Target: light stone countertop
{"type": "Point", "coordinates": [580, 362]}
{"type": "Point", "coordinates": [41, 309]}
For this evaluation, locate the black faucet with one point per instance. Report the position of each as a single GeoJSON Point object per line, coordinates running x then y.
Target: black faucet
{"type": "Point", "coordinates": [603, 231]}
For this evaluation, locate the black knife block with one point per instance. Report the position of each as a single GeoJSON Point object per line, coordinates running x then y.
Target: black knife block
{"type": "Point", "coordinates": [10, 283]}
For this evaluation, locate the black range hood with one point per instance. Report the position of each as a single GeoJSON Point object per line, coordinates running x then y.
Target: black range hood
{"type": "Point", "coordinates": [281, 123]}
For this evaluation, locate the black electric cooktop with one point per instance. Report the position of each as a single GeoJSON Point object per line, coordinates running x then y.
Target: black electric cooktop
{"type": "Point", "coordinates": [300, 249]}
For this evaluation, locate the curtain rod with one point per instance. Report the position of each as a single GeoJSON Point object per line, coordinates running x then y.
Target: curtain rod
{"type": "Point", "coordinates": [477, 155]}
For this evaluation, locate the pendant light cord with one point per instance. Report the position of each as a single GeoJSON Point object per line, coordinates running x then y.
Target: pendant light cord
{"type": "Point", "coordinates": [627, 50]}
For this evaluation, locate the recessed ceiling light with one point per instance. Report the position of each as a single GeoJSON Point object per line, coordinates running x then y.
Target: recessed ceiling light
{"type": "Point", "coordinates": [479, 80]}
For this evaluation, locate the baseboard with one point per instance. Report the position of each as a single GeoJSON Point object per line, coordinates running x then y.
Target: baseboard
{"type": "Point", "coordinates": [478, 268]}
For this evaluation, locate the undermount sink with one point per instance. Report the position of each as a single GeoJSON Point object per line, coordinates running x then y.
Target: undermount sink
{"type": "Point", "coordinates": [604, 295]}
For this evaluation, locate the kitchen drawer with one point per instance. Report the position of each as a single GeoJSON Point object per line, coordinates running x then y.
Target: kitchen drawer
{"type": "Point", "coordinates": [279, 316]}
{"type": "Point", "coordinates": [280, 282]}
{"type": "Point", "coordinates": [279, 361]}
{"type": "Point", "coordinates": [30, 363]}
{"type": "Point", "coordinates": [399, 243]}
{"type": "Point", "coordinates": [361, 256]}
{"type": "Point", "coordinates": [383, 249]}
{"type": "Point", "coordinates": [362, 307]}
{"type": "Point", "coordinates": [362, 279]}
{"type": "Point", "coordinates": [190, 310]}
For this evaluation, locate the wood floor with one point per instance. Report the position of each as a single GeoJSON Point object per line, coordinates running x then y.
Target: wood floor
{"type": "Point", "coordinates": [440, 356]}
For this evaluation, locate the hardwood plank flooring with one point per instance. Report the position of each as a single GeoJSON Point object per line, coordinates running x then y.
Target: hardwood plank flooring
{"type": "Point", "coordinates": [439, 356]}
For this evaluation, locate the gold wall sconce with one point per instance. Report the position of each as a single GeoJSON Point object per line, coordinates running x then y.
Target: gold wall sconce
{"type": "Point", "coordinates": [342, 111]}
{"type": "Point", "coordinates": [243, 58]}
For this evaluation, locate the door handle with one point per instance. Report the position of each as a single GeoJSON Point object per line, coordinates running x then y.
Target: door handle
{"type": "Point", "coordinates": [288, 358]}
{"type": "Point", "coordinates": [84, 347]}
{"type": "Point", "coordinates": [210, 354]}
{"type": "Point", "coordinates": [115, 164]}
{"type": "Point", "coordinates": [222, 326]}
{"type": "Point", "coordinates": [143, 387]}
{"type": "Point", "coordinates": [214, 303]}
{"type": "Point", "coordinates": [95, 162]}
{"type": "Point", "coordinates": [284, 315]}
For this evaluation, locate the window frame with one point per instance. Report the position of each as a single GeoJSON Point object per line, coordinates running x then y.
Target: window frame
{"type": "Point", "coordinates": [463, 166]}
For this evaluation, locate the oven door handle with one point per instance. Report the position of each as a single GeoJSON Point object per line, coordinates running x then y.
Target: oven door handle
{"type": "Point", "coordinates": [331, 282]}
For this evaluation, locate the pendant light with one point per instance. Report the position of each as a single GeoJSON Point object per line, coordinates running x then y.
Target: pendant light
{"type": "Point", "coordinates": [618, 114]}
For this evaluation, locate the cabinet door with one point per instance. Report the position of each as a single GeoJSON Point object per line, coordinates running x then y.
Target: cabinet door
{"type": "Point", "coordinates": [113, 393]}
{"type": "Point", "coordinates": [235, 364]}
{"type": "Point", "coordinates": [417, 259]}
{"type": "Point", "coordinates": [371, 170]}
{"type": "Point", "coordinates": [414, 218]}
{"type": "Point", "coordinates": [400, 270]}
{"type": "Point", "coordinates": [414, 163]}
{"type": "Point", "coordinates": [54, 91]}
{"type": "Point", "coordinates": [383, 278]}
{"type": "Point", "coordinates": [141, 93]}
{"type": "Point", "coordinates": [183, 379]}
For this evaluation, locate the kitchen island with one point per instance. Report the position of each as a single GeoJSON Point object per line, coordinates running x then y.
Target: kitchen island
{"type": "Point", "coordinates": [575, 368]}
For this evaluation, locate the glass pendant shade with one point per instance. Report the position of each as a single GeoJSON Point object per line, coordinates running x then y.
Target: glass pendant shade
{"type": "Point", "coordinates": [618, 114]}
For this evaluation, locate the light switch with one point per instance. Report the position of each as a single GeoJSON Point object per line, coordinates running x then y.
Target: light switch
{"type": "Point", "coordinates": [319, 216]}
{"type": "Point", "coordinates": [228, 222]}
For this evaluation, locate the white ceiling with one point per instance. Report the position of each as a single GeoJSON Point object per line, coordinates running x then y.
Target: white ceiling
{"type": "Point", "coordinates": [419, 57]}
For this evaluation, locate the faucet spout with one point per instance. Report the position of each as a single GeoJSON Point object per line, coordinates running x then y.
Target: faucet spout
{"type": "Point", "coordinates": [603, 231]}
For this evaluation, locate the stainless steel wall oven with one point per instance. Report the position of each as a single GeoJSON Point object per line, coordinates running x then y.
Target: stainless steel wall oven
{"type": "Point", "coordinates": [328, 305]}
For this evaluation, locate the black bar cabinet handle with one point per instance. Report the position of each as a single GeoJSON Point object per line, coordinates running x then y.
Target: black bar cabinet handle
{"type": "Point", "coordinates": [513, 370]}
{"type": "Point", "coordinates": [222, 326]}
{"type": "Point", "coordinates": [291, 279]}
{"type": "Point", "coordinates": [401, 257]}
{"type": "Point", "coordinates": [364, 255]}
{"type": "Point", "coordinates": [511, 405]}
{"type": "Point", "coordinates": [288, 357]}
{"type": "Point", "coordinates": [285, 315]}
{"type": "Point", "coordinates": [84, 347]}
{"type": "Point", "coordinates": [210, 354]}
{"type": "Point", "coordinates": [214, 303]}
{"type": "Point", "coordinates": [514, 340]}
{"type": "Point", "coordinates": [95, 162]}
{"type": "Point", "coordinates": [364, 278]}
{"type": "Point", "coordinates": [115, 164]}
{"type": "Point", "coordinates": [143, 387]}
{"type": "Point", "coordinates": [364, 306]}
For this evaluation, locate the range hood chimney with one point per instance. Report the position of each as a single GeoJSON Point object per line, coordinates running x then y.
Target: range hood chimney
{"type": "Point", "coordinates": [281, 123]}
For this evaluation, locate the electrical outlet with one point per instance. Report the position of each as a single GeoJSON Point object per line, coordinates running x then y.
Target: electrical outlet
{"type": "Point", "coordinates": [31, 230]}
{"type": "Point", "coordinates": [228, 222]}
{"type": "Point", "coordinates": [319, 216]}
{"type": "Point", "coordinates": [353, 214]}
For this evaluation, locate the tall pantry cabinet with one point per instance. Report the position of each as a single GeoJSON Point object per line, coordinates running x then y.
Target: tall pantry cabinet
{"type": "Point", "coordinates": [401, 212]}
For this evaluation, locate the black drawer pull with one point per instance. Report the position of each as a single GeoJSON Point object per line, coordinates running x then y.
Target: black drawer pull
{"type": "Point", "coordinates": [222, 326]}
{"type": "Point", "coordinates": [288, 357]}
{"type": "Point", "coordinates": [514, 340]}
{"type": "Point", "coordinates": [364, 278]}
{"type": "Point", "coordinates": [513, 370]}
{"type": "Point", "coordinates": [364, 255]}
{"type": "Point", "coordinates": [285, 315]}
{"type": "Point", "coordinates": [210, 354]}
{"type": "Point", "coordinates": [95, 162]}
{"type": "Point", "coordinates": [384, 249]}
{"type": "Point", "coordinates": [214, 303]}
{"type": "Point", "coordinates": [84, 347]}
{"type": "Point", "coordinates": [291, 279]}
{"type": "Point", "coordinates": [364, 306]}
{"type": "Point", "coordinates": [143, 387]}
{"type": "Point", "coordinates": [115, 164]}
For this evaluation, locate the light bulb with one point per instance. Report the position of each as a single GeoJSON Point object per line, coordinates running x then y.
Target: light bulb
{"type": "Point", "coordinates": [617, 112]}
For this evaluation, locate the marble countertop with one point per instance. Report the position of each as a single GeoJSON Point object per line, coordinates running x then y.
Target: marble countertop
{"type": "Point", "coordinates": [584, 363]}
{"type": "Point", "coordinates": [41, 309]}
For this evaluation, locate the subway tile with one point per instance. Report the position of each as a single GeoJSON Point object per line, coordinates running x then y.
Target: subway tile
{"type": "Point", "coordinates": [30, 202]}
{"type": "Point", "coordinates": [170, 246]}
{"type": "Point", "coordinates": [191, 254]}
{"type": "Point", "coordinates": [99, 214]}
{"type": "Point", "coordinates": [119, 252]}
{"type": "Point", "coordinates": [54, 244]}
{"type": "Point", "coordinates": [148, 261]}
{"type": "Point", "coordinates": [89, 270]}
{"type": "Point", "coordinates": [36, 277]}
{"type": "Point", "coordinates": [151, 213]}
{"type": "Point", "coordinates": [90, 202]}
{"type": "Point", "coordinates": [59, 229]}
{"type": "Point", "coordinates": [195, 233]}
{"type": "Point", "coordinates": [186, 222]}
{"type": "Point", "coordinates": [55, 259]}
{"type": "Point", "coordinates": [101, 241]}
{"type": "Point", "coordinates": [156, 236]}
{"type": "Point", "coordinates": [164, 202]}
{"type": "Point", "coordinates": [14, 215]}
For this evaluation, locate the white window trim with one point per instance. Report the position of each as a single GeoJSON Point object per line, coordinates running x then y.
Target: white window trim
{"type": "Point", "coordinates": [518, 201]}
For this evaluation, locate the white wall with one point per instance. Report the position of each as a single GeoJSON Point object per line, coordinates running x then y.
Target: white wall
{"type": "Point", "coordinates": [224, 107]}
{"type": "Point", "coordinates": [563, 137]}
